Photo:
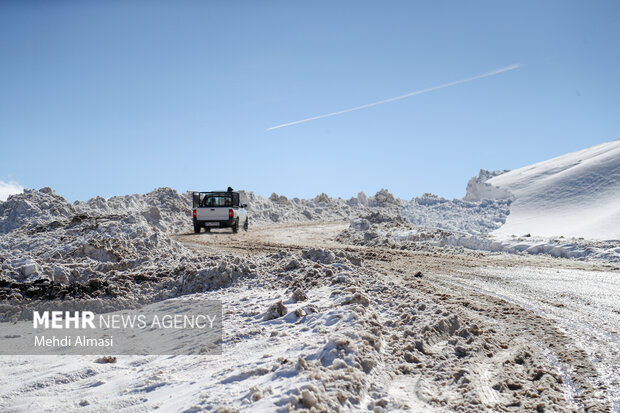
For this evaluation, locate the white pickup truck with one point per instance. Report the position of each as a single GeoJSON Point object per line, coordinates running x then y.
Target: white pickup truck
{"type": "Point", "coordinates": [218, 209]}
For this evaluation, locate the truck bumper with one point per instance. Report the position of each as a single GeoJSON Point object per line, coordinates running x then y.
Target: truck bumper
{"type": "Point", "coordinates": [214, 224]}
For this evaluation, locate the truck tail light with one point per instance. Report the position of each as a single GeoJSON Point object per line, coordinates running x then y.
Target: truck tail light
{"type": "Point", "coordinates": [231, 213]}
{"type": "Point", "coordinates": [194, 213]}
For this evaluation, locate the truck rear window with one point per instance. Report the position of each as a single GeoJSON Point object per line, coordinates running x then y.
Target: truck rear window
{"type": "Point", "coordinates": [216, 201]}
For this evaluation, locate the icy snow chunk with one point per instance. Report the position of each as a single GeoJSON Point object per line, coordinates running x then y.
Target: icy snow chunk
{"type": "Point", "coordinates": [299, 295]}
{"type": "Point", "coordinates": [357, 298]}
{"type": "Point", "coordinates": [279, 199]}
{"type": "Point", "coordinates": [360, 224]}
{"type": "Point", "coordinates": [276, 310]}
{"type": "Point", "coordinates": [291, 265]}
{"type": "Point", "coordinates": [319, 255]}
{"type": "Point", "coordinates": [384, 197]}
{"type": "Point", "coordinates": [60, 275]}
{"type": "Point", "coordinates": [478, 188]}
{"type": "Point", "coordinates": [428, 199]}
{"type": "Point", "coordinates": [362, 198]}
{"type": "Point", "coordinates": [26, 267]}
{"type": "Point", "coordinates": [322, 198]}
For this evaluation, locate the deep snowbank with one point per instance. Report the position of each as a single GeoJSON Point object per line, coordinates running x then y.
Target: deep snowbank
{"type": "Point", "coordinates": [574, 195]}
{"type": "Point", "coordinates": [121, 246]}
{"type": "Point", "coordinates": [462, 216]}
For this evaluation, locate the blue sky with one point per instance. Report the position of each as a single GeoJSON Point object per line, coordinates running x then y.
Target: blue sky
{"type": "Point", "coordinates": [117, 97]}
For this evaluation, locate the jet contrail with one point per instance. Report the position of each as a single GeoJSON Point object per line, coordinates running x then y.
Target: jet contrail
{"type": "Point", "coordinates": [418, 92]}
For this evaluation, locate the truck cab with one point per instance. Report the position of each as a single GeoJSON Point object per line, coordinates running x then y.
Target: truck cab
{"type": "Point", "coordinates": [218, 209]}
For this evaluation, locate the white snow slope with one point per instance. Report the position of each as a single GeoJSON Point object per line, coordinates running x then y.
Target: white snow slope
{"type": "Point", "coordinates": [574, 195]}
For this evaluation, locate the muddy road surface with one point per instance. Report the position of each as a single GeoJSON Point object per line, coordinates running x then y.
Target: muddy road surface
{"type": "Point", "coordinates": [506, 332]}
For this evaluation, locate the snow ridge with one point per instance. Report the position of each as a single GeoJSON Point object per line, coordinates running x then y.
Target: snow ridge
{"type": "Point", "coordinates": [574, 195]}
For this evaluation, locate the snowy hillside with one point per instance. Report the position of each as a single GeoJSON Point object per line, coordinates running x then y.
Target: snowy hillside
{"type": "Point", "coordinates": [574, 195]}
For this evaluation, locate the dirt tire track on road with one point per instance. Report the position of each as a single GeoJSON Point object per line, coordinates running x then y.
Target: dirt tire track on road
{"type": "Point", "coordinates": [508, 357]}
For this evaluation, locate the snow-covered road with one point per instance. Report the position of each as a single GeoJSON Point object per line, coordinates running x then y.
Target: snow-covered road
{"type": "Point", "coordinates": [579, 301]}
{"type": "Point", "coordinates": [377, 328]}
{"type": "Point", "coordinates": [584, 303]}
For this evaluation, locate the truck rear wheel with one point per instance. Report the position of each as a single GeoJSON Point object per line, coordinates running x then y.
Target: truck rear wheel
{"type": "Point", "coordinates": [196, 229]}
{"type": "Point", "coordinates": [235, 226]}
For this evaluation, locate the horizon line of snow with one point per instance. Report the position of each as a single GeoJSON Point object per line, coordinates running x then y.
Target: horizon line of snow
{"type": "Point", "coordinates": [417, 92]}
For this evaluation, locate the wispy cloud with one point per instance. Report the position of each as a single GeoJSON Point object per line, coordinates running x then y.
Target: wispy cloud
{"type": "Point", "coordinates": [406, 95]}
{"type": "Point", "coordinates": [9, 188]}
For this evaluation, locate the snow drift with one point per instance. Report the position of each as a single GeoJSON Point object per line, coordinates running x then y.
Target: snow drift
{"type": "Point", "coordinates": [574, 195]}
